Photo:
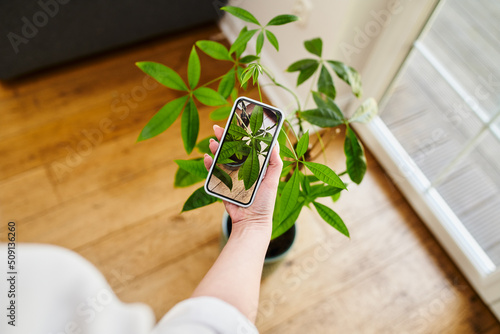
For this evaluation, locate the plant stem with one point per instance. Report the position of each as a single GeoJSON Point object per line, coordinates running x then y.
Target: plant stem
{"type": "Point", "coordinates": [270, 76]}
{"type": "Point", "coordinates": [343, 173]}
{"type": "Point", "coordinates": [320, 140]}
{"type": "Point", "coordinates": [213, 80]}
{"type": "Point", "coordinates": [260, 94]}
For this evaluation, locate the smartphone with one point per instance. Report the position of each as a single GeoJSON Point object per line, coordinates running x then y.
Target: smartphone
{"type": "Point", "coordinates": [244, 150]}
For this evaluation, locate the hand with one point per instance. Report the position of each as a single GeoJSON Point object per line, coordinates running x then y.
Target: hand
{"type": "Point", "coordinates": [260, 214]}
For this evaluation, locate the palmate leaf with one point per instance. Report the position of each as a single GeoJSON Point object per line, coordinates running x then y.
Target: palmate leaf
{"type": "Point", "coordinates": [256, 119]}
{"type": "Point", "coordinates": [325, 83]}
{"type": "Point", "coordinates": [290, 194]}
{"type": "Point", "coordinates": [223, 176]}
{"type": "Point", "coordinates": [214, 50]}
{"type": "Point", "coordinates": [325, 174]}
{"type": "Point", "coordinates": [250, 170]}
{"type": "Point", "coordinates": [332, 218]}
{"type": "Point", "coordinates": [314, 46]}
{"type": "Point", "coordinates": [355, 157]}
{"type": "Point", "coordinates": [326, 115]}
{"type": "Point", "coordinates": [220, 113]}
{"type": "Point", "coordinates": [241, 41]}
{"type": "Point", "coordinates": [260, 42]}
{"type": "Point", "coordinates": [237, 131]}
{"type": "Point", "coordinates": [163, 74]}
{"type": "Point", "coordinates": [194, 68]}
{"type": "Point", "coordinates": [273, 40]}
{"type": "Point", "coordinates": [193, 166]}
{"type": "Point", "coordinates": [227, 83]}
{"type": "Point", "coordinates": [190, 125]}
{"type": "Point", "coordinates": [198, 199]}
{"type": "Point", "coordinates": [185, 179]}
{"type": "Point", "coordinates": [163, 119]}
{"type": "Point", "coordinates": [286, 222]}
{"type": "Point", "coordinates": [365, 112]}
{"type": "Point", "coordinates": [209, 97]}
{"type": "Point", "coordinates": [303, 144]}
{"type": "Point", "coordinates": [282, 19]}
{"type": "Point", "coordinates": [321, 190]}
{"type": "Point", "coordinates": [306, 68]}
{"type": "Point", "coordinates": [248, 59]}
{"type": "Point", "coordinates": [285, 151]}
{"type": "Point", "coordinates": [228, 149]}
{"type": "Point", "coordinates": [241, 13]}
{"type": "Point", "coordinates": [349, 75]}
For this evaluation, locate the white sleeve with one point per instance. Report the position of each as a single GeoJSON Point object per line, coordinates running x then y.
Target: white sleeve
{"type": "Point", "coordinates": [204, 315]}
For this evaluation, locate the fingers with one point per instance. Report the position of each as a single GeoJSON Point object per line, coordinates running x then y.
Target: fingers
{"type": "Point", "coordinates": [207, 160]}
{"type": "Point", "coordinates": [218, 131]}
{"type": "Point", "coordinates": [213, 146]}
{"type": "Point", "coordinates": [275, 166]}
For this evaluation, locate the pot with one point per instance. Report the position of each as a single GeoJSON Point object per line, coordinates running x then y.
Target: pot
{"type": "Point", "coordinates": [277, 250]}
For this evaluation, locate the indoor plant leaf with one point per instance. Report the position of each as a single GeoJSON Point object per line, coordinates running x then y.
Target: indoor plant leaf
{"type": "Point", "coordinates": [306, 68]}
{"type": "Point", "coordinates": [260, 42]}
{"type": "Point", "coordinates": [256, 118]}
{"type": "Point", "coordinates": [163, 74]}
{"type": "Point", "coordinates": [250, 169]}
{"type": "Point", "coordinates": [163, 118]}
{"type": "Point", "coordinates": [220, 113]}
{"type": "Point", "coordinates": [290, 194]}
{"type": "Point", "coordinates": [306, 73]}
{"type": "Point", "coordinates": [355, 157]}
{"type": "Point", "coordinates": [237, 131]}
{"type": "Point", "coordinates": [183, 178]}
{"type": "Point", "coordinates": [325, 174]}
{"type": "Point", "coordinates": [303, 144]}
{"type": "Point", "coordinates": [228, 149]}
{"type": "Point", "coordinates": [241, 13]}
{"type": "Point", "coordinates": [349, 75]}
{"type": "Point", "coordinates": [241, 41]}
{"type": "Point", "coordinates": [226, 84]}
{"type": "Point", "coordinates": [320, 117]}
{"type": "Point", "coordinates": [223, 176]}
{"type": "Point", "coordinates": [214, 49]}
{"type": "Point", "coordinates": [194, 68]}
{"type": "Point", "coordinates": [193, 166]}
{"type": "Point", "coordinates": [332, 218]}
{"type": "Point", "coordinates": [321, 190]}
{"type": "Point", "coordinates": [282, 19]}
{"type": "Point", "coordinates": [314, 46]}
{"type": "Point", "coordinates": [273, 40]}
{"type": "Point", "coordinates": [288, 221]}
{"type": "Point", "coordinates": [285, 151]}
{"type": "Point", "coordinates": [198, 199]}
{"type": "Point", "coordinates": [203, 145]}
{"type": "Point", "coordinates": [365, 112]}
{"type": "Point", "coordinates": [209, 97]}
{"type": "Point", "coordinates": [248, 59]}
{"type": "Point", "coordinates": [190, 125]}
{"type": "Point", "coordinates": [325, 83]}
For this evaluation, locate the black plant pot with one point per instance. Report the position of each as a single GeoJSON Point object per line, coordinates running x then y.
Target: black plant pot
{"type": "Point", "coordinates": [237, 162]}
{"type": "Point", "coordinates": [278, 248]}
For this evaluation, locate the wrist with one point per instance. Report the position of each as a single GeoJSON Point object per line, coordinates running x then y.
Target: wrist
{"type": "Point", "coordinates": [247, 229]}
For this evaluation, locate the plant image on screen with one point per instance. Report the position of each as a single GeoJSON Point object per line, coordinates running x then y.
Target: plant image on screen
{"type": "Point", "coordinates": [303, 137]}
{"type": "Point", "coordinates": [243, 151]}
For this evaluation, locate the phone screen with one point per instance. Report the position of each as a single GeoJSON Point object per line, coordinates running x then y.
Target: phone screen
{"type": "Point", "coordinates": [251, 131]}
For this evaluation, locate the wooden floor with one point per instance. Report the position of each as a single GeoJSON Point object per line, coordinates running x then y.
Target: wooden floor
{"type": "Point", "coordinates": [114, 203]}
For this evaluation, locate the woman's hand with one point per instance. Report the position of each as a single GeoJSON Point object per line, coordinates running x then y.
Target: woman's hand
{"type": "Point", "coordinates": [260, 214]}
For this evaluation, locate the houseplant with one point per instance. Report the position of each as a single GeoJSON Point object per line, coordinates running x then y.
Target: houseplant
{"type": "Point", "coordinates": [302, 181]}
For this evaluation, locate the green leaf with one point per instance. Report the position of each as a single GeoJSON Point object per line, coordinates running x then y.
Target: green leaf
{"type": "Point", "coordinates": [226, 84]}
{"type": "Point", "coordinates": [260, 42]}
{"type": "Point", "coordinates": [241, 13]}
{"type": "Point", "coordinates": [306, 74]}
{"type": "Point", "coordinates": [163, 74]}
{"type": "Point", "coordinates": [336, 197]}
{"type": "Point", "coordinates": [237, 131]}
{"type": "Point", "coordinates": [223, 176]}
{"type": "Point", "coordinates": [325, 83]}
{"type": "Point", "coordinates": [314, 46]}
{"type": "Point", "coordinates": [184, 178]}
{"type": "Point", "coordinates": [282, 19]}
{"type": "Point", "coordinates": [355, 157]}
{"type": "Point", "coordinates": [190, 125]}
{"type": "Point", "coordinates": [250, 170]}
{"type": "Point", "coordinates": [325, 174]}
{"type": "Point", "coordinates": [290, 194]}
{"type": "Point", "coordinates": [349, 75]}
{"type": "Point", "coordinates": [332, 218]}
{"type": "Point", "coordinates": [214, 50]}
{"type": "Point", "coordinates": [240, 43]}
{"type": "Point", "coordinates": [194, 68]}
{"type": "Point", "coordinates": [198, 199]}
{"type": "Point", "coordinates": [273, 40]}
{"type": "Point", "coordinates": [234, 94]}
{"type": "Point", "coordinates": [303, 144]}
{"type": "Point", "coordinates": [326, 115]}
{"type": "Point", "coordinates": [203, 145]}
{"type": "Point", "coordinates": [285, 151]}
{"type": "Point", "coordinates": [256, 118]}
{"type": "Point", "coordinates": [248, 59]}
{"type": "Point", "coordinates": [228, 149]}
{"type": "Point", "coordinates": [288, 221]}
{"type": "Point", "coordinates": [321, 190]}
{"type": "Point", "coordinates": [220, 113]}
{"type": "Point", "coordinates": [365, 112]}
{"type": "Point", "coordinates": [193, 166]}
{"type": "Point", "coordinates": [246, 75]}
{"type": "Point", "coordinates": [301, 65]}
{"type": "Point", "coordinates": [209, 97]}
{"type": "Point", "coordinates": [163, 119]}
